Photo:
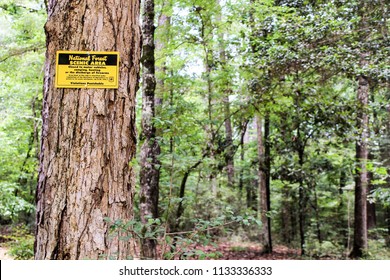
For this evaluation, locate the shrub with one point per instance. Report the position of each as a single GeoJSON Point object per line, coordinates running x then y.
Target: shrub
{"type": "Point", "coordinates": [21, 246]}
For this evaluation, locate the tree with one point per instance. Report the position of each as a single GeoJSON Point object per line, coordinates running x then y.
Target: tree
{"type": "Point", "coordinates": [150, 150]}
{"type": "Point", "coordinates": [361, 180]}
{"type": "Point", "coordinates": [264, 191]}
{"type": "Point", "coordinates": [225, 77]}
{"type": "Point", "coordinates": [367, 53]}
{"type": "Point", "coordinates": [88, 135]}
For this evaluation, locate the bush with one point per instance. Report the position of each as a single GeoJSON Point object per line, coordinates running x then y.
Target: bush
{"type": "Point", "coordinates": [10, 205]}
{"type": "Point", "coordinates": [377, 250]}
{"type": "Point", "coordinates": [21, 246]}
{"type": "Point", "coordinates": [326, 249]}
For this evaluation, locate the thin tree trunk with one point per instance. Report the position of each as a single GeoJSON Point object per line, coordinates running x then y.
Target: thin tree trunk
{"type": "Point", "coordinates": [267, 166]}
{"type": "Point", "coordinates": [229, 151]}
{"type": "Point", "coordinates": [285, 216]}
{"type": "Point", "coordinates": [317, 213]}
{"type": "Point", "coordinates": [386, 162]}
{"type": "Point", "coordinates": [150, 150]}
{"type": "Point", "coordinates": [301, 203]}
{"type": "Point", "coordinates": [371, 209]}
{"type": "Point", "coordinates": [264, 195]}
{"type": "Point", "coordinates": [361, 179]}
{"type": "Point", "coordinates": [388, 226]}
{"type": "Point", "coordinates": [300, 148]}
{"type": "Point", "coordinates": [164, 23]}
{"type": "Point", "coordinates": [342, 226]}
{"type": "Point", "coordinates": [88, 135]}
{"type": "Point", "coordinates": [293, 221]}
{"type": "Point", "coordinates": [242, 156]}
{"type": "Point", "coordinates": [180, 208]}
{"type": "Point", "coordinates": [210, 127]}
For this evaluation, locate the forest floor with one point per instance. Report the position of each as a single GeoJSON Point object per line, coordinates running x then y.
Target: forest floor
{"type": "Point", "coordinates": [4, 232]}
{"type": "Point", "coordinates": [4, 254]}
{"type": "Point", "coordinates": [228, 251]}
{"type": "Point", "coordinates": [251, 251]}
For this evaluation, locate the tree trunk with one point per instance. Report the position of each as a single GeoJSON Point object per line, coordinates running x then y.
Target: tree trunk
{"type": "Point", "coordinates": [267, 165]}
{"type": "Point", "coordinates": [388, 227]}
{"type": "Point", "coordinates": [371, 209]}
{"type": "Point", "coordinates": [180, 208]}
{"type": "Point", "coordinates": [341, 224]}
{"type": "Point", "coordinates": [302, 216]}
{"type": "Point", "coordinates": [361, 179]}
{"type": "Point", "coordinates": [88, 135]}
{"type": "Point", "coordinates": [244, 126]}
{"type": "Point", "coordinates": [163, 37]}
{"type": "Point", "coordinates": [287, 217]}
{"type": "Point", "coordinates": [317, 214]}
{"type": "Point", "coordinates": [229, 153]}
{"type": "Point", "coordinates": [229, 150]}
{"type": "Point", "coordinates": [263, 191]}
{"type": "Point", "coordinates": [386, 162]}
{"type": "Point", "coordinates": [150, 150]}
{"type": "Point", "coordinates": [300, 148]}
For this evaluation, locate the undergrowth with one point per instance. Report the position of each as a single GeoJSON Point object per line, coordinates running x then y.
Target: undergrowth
{"type": "Point", "coordinates": [20, 243]}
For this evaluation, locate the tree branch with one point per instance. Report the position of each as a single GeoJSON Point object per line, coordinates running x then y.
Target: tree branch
{"type": "Point", "coordinates": [21, 51]}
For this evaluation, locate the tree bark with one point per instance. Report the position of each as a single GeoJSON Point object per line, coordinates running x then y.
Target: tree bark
{"type": "Point", "coordinates": [88, 135]}
{"type": "Point", "coordinates": [150, 150]}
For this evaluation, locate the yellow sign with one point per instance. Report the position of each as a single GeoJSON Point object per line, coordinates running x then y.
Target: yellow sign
{"type": "Point", "coordinates": [77, 69]}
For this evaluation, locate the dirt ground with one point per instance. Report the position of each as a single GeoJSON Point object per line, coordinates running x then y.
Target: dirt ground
{"type": "Point", "coordinates": [4, 255]}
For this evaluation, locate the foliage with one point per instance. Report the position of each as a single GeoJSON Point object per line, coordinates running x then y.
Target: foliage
{"type": "Point", "coordinates": [21, 75]}
{"type": "Point", "coordinates": [180, 245]}
{"type": "Point", "coordinates": [21, 246]}
{"type": "Point", "coordinates": [325, 250]}
{"type": "Point", "coordinates": [11, 205]}
{"type": "Point", "coordinates": [378, 250]}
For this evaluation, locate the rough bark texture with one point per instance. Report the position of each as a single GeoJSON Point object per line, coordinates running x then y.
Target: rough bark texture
{"type": "Point", "coordinates": [361, 179]}
{"type": "Point", "coordinates": [264, 195]}
{"type": "Point", "coordinates": [88, 135]}
{"type": "Point", "coordinates": [150, 165]}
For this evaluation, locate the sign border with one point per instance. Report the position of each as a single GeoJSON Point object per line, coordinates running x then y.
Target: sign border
{"type": "Point", "coordinates": [115, 86]}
